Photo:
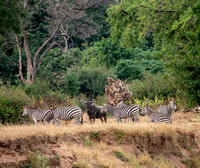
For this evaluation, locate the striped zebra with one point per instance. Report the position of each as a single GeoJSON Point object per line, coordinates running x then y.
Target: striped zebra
{"type": "Point", "coordinates": [167, 109]}
{"type": "Point", "coordinates": [147, 110]}
{"type": "Point", "coordinates": [155, 116]}
{"type": "Point", "coordinates": [160, 117]}
{"type": "Point", "coordinates": [131, 111]}
{"type": "Point", "coordinates": [67, 114]}
{"type": "Point", "coordinates": [37, 115]}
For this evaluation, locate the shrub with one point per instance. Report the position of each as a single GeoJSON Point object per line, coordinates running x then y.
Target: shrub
{"type": "Point", "coordinates": [38, 88]}
{"type": "Point", "coordinates": [36, 160]}
{"type": "Point", "coordinates": [71, 85]}
{"type": "Point", "coordinates": [128, 69]}
{"type": "Point", "coordinates": [152, 86]}
{"type": "Point", "coordinates": [93, 80]}
{"type": "Point", "coordinates": [12, 101]}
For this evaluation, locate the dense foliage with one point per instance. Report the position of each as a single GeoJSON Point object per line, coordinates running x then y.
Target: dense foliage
{"type": "Point", "coordinates": [12, 101]}
{"type": "Point", "coordinates": [153, 46]}
{"type": "Point", "coordinates": [174, 28]}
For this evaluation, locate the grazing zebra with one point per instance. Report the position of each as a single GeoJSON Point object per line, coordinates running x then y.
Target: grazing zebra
{"type": "Point", "coordinates": [155, 116]}
{"type": "Point", "coordinates": [67, 114]}
{"type": "Point", "coordinates": [147, 110]}
{"type": "Point", "coordinates": [167, 109]}
{"type": "Point", "coordinates": [160, 117]}
{"type": "Point", "coordinates": [122, 104]}
{"type": "Point", "coordinates": [36, 114]}
{"type": "Point", "coordinates": [123, 112]}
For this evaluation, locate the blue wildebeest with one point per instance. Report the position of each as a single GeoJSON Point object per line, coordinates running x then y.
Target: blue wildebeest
{"type": "Point", "coordinates": [94, 112]}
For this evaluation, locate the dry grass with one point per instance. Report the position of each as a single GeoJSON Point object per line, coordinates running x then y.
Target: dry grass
{"type": "Point", "coordinates": [101, 155]}
{"type": "Point", "coordinates": [112, 156]}
{"type": "Point", "coordinates": [181, 122]}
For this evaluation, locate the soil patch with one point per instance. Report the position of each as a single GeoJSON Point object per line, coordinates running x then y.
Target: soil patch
{"type": "Point", "coordinates": [14, 153]}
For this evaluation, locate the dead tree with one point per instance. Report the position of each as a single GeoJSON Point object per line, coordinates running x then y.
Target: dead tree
{"type": "Point", "coordinates": [116, 91]}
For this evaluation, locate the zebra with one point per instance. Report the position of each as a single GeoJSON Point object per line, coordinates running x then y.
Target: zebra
{"type": "Point", "coordinates": [160, 117]}
{"type": "Point", "coordinates": [36, 114]}
{"type": "Point", "coordinates": [167, 109]}
{"type": "Point", "coordinates": [156, 117]}
{"type": "Point", "coordinates": [67, 114]}
{"type": "Point", "coordinates": [122, 104]}
{"type": "Point", "coordinates": [123, 112]}
{"type": "Point", "coordinates": [147, 110]}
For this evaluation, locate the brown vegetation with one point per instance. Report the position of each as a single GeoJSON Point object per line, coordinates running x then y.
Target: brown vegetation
{"type": "Point", "coordinates": [116, 91]}
{"type": "Point", "coordinates": [104, 145]}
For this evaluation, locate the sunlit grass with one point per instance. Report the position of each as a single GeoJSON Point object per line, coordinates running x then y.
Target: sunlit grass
{"type": "Point", "coordinates": [181, 122]}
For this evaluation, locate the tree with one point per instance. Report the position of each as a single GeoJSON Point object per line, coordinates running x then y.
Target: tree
{"type": "Point", "coordinates": [174, 27]}
{"type": "Point", "coordinates": [33, 64]}
{"type": "Point", "coordinates": [10, 12]}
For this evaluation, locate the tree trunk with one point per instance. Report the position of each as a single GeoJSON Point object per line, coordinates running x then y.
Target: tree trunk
{"type": "Point", "coordinates": [30, 75]}
{"type": "Point", "coordinates": [117, 92]}
{"type": "Point", "coordinates": [34, 65]}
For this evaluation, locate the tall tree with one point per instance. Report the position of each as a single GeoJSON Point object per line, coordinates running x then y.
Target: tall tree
{"type": "Point", "coordinates": [174, 27]}
{"type": "Point", "coordinates": [33, 63]}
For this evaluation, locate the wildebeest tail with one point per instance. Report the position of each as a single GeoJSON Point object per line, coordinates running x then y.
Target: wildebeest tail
{"type": "Point", "coordinates": [81, 118]}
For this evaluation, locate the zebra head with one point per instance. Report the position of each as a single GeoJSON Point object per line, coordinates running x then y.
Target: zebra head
{"type": "Point", "coordinates": [144, 111]}
{"type": "Point", "coordinates": [25, 112]}
{"type": "Point", "coordinates": [172, 105]}
{"type": "Point", "coordinates": [104, 109]}
{"type": "Point", "coordinates": [147, 110]}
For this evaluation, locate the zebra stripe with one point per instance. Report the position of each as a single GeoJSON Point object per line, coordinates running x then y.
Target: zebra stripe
{"type": "Point", "coordinates": [36, 114]}
{"type": "Point", "coordinates": [168, 109]}
{"type": "Point", "coordinates": [133, 111]}
{"type": "Point", "coordinates": [68, 113]}
{"type": "Point", "coordinates": [159, 117]}
{"type": "Point", "coordinates": [123, 112]}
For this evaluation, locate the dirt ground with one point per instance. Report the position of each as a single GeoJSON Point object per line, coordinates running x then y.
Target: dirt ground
{"type": "Point", "coordinates": [90, 148]}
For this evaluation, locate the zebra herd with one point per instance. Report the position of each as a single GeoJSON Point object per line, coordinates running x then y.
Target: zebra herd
{"type": "Point", "coordinates": [121, 111]}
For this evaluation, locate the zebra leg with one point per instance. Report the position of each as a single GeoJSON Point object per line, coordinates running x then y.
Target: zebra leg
{"type": "Point", "coordinates": [35, 121]}
{"type": "Point", "coordinates": [120, 120]}
{"type": "Point", "coordinates": [45, 123]}
{"type": "Point", "coordinates": [150, 120]}
{"type": "Point", "coordinates": [58, 121]}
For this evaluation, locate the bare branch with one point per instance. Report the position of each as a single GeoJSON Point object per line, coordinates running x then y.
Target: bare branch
{"type": "Point", "coordinates": [20, 59]}
{"type": "Point", "coordinates": [44, 54]}
{"type": "Point", "coordinates": [55, 31]}
{"type": "Point", "coordinates": [82, 9]}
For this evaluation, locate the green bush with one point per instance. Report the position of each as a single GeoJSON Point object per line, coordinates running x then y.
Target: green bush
{"type": "Point", "coordinates": [152, 86]}
{"type": "Point", "coordinates": [12, 101]}
{"type": "Point", "coordinates": [128, 69]}
{"type": "Point", "coordinates": [37, 160]}
{"type": "Point", "coordinates": [71, 85]}
{"type": "Point", "coordinates": [93, 80]}
{"type": "Point", "coordinates": [39, 88]}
